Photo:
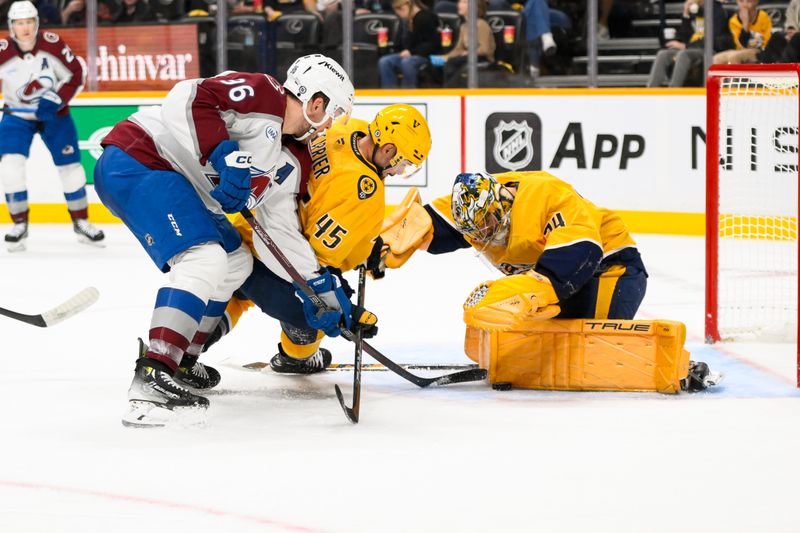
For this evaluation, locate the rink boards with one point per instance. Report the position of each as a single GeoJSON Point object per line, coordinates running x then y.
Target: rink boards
{"type": "Point", "coordinates": [640, 152]}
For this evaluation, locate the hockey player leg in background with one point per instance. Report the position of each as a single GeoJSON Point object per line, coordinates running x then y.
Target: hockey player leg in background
{"type": "Point", "coordinates": [563, 256]}
{"type": "Point", "coordinates": [40, 73]}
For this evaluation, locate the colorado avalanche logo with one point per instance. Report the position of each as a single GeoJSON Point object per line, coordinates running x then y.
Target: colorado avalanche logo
{"type": "Point", "coordinates": [50, 37]}
{"type": "Point", "coordinates": [259, 183]}
{"type": "Point", "coordinates": [32, 91]}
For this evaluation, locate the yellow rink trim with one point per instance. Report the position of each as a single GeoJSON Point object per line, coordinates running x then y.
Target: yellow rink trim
{"type": "Point", "coordinates": [637, 221]}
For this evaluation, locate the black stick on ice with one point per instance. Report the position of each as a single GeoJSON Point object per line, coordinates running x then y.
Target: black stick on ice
{"type": "Point", "coordinates": [473, 374]}
{"type": "Point", "coordinates": [352, 413]}
{"type": "Point", "coordinates": [71, 307]}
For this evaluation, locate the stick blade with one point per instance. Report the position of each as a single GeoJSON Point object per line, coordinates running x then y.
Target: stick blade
{"type": "Point", "coordinates": [351, 416]}
{"type": "Point", "coordinates": [71, 307]}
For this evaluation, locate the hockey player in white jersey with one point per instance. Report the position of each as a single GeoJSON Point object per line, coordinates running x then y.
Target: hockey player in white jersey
{"type": "Point", "coordinates": [170, 174]}
{"type": "Point", "coordinates": [41, 74]}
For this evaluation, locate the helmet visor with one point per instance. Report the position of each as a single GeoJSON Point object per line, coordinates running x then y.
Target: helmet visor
{"type": "Point", "coordinates": [402, 169]}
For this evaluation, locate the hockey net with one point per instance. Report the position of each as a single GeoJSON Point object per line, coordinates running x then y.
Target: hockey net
{"type": "Point", "coordinates": [752, 204]}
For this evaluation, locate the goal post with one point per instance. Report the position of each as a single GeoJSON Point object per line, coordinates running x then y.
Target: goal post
{"type": "Point", "coordinates": [752, 119]}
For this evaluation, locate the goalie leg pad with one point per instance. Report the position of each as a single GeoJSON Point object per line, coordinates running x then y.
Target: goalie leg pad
{"type": "Point", "coordinates": [506, 303]}
{"type": "Point", "coordinates": [575, 354]}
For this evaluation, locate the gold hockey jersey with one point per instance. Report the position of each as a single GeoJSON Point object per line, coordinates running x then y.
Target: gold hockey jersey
{"type": "Point", "coordinates": [343, 210]}
{"type": "Point", "coordinates": [549, 215]}
{"type": "Point", "coordinates": [760, 31]}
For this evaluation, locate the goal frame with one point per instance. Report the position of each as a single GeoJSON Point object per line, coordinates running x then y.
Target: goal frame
{"type": "Point", "coordinates": [712, 188]}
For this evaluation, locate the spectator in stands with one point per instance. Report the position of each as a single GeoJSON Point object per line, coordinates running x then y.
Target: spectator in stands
{"type": "Point", "coordinates": [784, 46]}
{"type": "Point", "coordinates": [275, 8]}
{"type": "Point", "coordinates": [330, 11]}
{"type": "Point", "coordinates": [362, 7]}
{"type": "Point", "coordinates": [539, 19]}
{"type": "Point", "coordinates": [686, 51]}
{"type": "Point", "coordinates": [451, 6]}
{"type": "Point", "coordinates": [134, 11]}
{"type": "Point", "coordinates": [418, 40]}
{"type": "Point", "coordinates": [74, 12]}
{"type": "Point", "coordinates": [751, 29]}
{"type": "Point", "coordinates": [455, 61]}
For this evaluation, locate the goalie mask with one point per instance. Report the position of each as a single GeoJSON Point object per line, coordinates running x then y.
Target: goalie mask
{"type": "Point", "coordinates": [481, 208]}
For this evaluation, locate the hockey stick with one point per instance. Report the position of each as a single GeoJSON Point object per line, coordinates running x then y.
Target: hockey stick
{"type": "Point", "coordinates": [474, 374]}
{"type": "Point", "coordinates": [71, 307]}
{"type": "Point", "coordinates": [352, 413]}
{"type": "Point", "coordinates": [18, 110]}
{"type": "Point", "coordinates": [372, 367]}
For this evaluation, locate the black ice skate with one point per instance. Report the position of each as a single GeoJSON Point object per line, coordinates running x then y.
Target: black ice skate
{"type": "Point", "coordinates": [700, 377]}
{"type": "Point", "coordinates": [284, 364]}
{"type": "Point", "coordinates": [156, 399]}
{"type": "Point", "coordinates": [87, 233]}
{"type": "Point", "coordinates": [15, 239]}
{"type": "Point", "coordinates": [195, 374]}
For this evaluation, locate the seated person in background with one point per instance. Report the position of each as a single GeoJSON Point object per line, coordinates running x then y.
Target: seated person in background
{"type": "Point", "coordinates": [751, 29]}
{"type": "Point", "coordinates": [539, 19]}
{"type": "Point", "coordinates": [362, 7]}
{"type": "Point", "coordinates": [784, 46]}
{"type": "Point", "coordinates": [275, 8]}
{"type": "Point", "coordinates": [134, 11]}
{"type": "Point", "coordinates": [455, 61]}
{"type": "Point", "coordinates": [74, 13]}
{"type": "Point", "coordinates": [418, 40]}
{"type": "Point", "coordinates": [686, 51]}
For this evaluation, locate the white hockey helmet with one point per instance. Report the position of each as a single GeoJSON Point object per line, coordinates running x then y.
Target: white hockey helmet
{"type": "Point", "coordinates": [23, 9]}
{"type": "Point", "coordinates": [317, 73]}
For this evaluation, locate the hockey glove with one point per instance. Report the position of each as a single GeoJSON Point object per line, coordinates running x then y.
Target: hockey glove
{"type": "Point", "coordinates": [337, 312]}
{"type": "Point", "coordinates": [49, 105]}
{"type": "Point", "coordinates": [365, 320]}
{"type": "Point", "coordinates": [233, 166]}
{"type": "Point", "coordinates": [376, 265]}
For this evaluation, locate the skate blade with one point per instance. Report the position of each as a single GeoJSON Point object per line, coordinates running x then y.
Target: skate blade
{"type": "Point", "coordinates": [89, 242]}
{"type": "Point", "coordinates": [15, 247]}
{"type": "Point", "coordinates": [144, 414]}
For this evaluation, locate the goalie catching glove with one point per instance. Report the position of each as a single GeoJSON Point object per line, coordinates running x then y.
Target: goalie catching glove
{"type": "Point", "coordinates": [505, 303]}
{"type": "Point", "coordinates": [338, 312]}
{"type": "Point", "coordinates": [408, 228]}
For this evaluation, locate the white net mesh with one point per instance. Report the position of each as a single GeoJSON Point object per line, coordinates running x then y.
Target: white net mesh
{"type": "Point", "coordinates": [758, 176]}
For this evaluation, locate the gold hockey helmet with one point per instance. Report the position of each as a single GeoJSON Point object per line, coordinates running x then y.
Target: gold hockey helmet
{"type": "Point", "coordinates": [405, 127]}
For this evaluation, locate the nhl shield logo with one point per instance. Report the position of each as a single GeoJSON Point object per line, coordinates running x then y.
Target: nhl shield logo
{"type": "Point", "coordinates": [513, 142]}
{"type": "Point", "coordinates": [513, 148]}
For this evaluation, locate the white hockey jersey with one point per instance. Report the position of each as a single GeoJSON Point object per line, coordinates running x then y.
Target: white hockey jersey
{"type": "Point", "coordinates": [50, 66]}
{"type": "Point", "coordinates": [194, 118]}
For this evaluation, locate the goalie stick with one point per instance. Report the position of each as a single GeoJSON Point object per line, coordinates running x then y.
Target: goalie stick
{"type": "Point", "coordinates": [473, 374]}
{"type": "Point", "coordinates": [71, 307]}
{"type": "Point", "coordinates": [352, 412]}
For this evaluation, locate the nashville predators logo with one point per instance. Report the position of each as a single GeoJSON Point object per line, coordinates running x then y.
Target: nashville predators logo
{"type": "Point", "coordinates": [366, 187]}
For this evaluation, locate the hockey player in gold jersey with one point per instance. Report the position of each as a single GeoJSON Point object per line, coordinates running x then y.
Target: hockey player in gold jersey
{"type": "Point", "coordinates": [341, 210]}
{"type": "Point", "coordinates": [564, 258]}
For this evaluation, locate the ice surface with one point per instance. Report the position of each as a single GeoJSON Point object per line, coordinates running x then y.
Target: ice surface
{"type": "Point", "coordinates": [277, 453]}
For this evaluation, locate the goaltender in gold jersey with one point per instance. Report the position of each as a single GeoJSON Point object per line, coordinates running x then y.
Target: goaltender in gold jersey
{"type": "Point", "coordinates": [562, 317]}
